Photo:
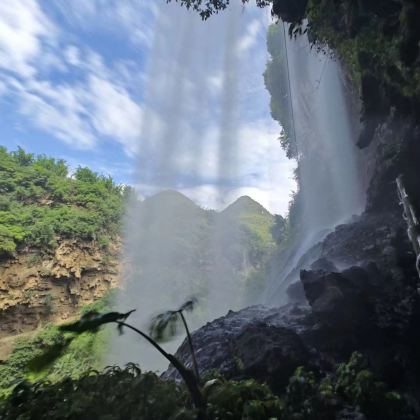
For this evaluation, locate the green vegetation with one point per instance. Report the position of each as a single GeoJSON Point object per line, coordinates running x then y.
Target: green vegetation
{"type": "Point", "coordinates": [82, 354]}
{"type": "Point", "coordinates": [211, 7]}
{"type": "Point", "coordinates": [249, 230]}
{"type": "Point", "coordinates": [380, 31]}
{"type": "Point", "coordinates": [277, 83]}
{"type": "Point", "coordinates": [350, 390]}
{"type": "Point", "coordinates": [75, 357]}
{"type": "Point", "coordinates": [40, 203]}
{"type": "Point", "coordinates": [378, 43]}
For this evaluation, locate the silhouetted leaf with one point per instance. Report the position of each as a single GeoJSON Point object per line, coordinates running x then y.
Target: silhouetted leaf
{"type": "Point", "coordinates": [91, 321]}
{"type": "Point", "coordinates": [165, 325]}
{"type": "Point", "coordinates": [189, 305]}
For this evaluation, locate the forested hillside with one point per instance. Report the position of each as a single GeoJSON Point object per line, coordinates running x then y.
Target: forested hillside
{"type": "Point", "coordinates": [59, 241]}
{"type": "Point", "coordinates": [40, 203]}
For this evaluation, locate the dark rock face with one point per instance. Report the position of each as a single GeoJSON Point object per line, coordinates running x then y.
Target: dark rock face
{"type": "Point", "coordinates": [295, 292]}
{"type": "Point", "coordinates": [269, 353]}
{"type": "Point", "coordinates": [341, 300]}
{"type": "Point", "coordinates": [266, 344]}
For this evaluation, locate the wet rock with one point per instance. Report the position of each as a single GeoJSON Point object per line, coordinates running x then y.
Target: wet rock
{"type": "Point", "coordinates": [341, 300]}
{"type": "Point", "coordinates": [256, 342]}
{"type": "Point", "coordinates": [324, 264]}
{"type": "Point", "coordinates": [268, 353]}
{"type": "Point", "coordinates": [296, 293]}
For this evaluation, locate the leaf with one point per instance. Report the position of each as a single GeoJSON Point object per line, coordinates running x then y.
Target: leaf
{"type": "Point", "coordinates": [189, 305]}
{"type": "Point", "coordinates": [92, 320]}
{"type": "Point", "coordinates": [164, 326]}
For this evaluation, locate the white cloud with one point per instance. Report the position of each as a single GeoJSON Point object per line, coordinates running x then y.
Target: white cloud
{"type": "Point", "coordinates": [249, 39]}
{"type": "Point", "coordinates": [94, 100]}
{"type": "Point", "coordinates": [82, 113]}
{"type": "Point", "coordinates": [258, 167]}
{"type": "Point", "coordinates": [215, 82]}
{"type": "Point", "coordinates": [130, 17]}
{"type": "Point", "coordinates": [78, 111]}
{"type": "Point", "coordinates": [114, 113]}
{"type": "Point", "coordinates": [72, 55]}
{"type": "Point", "coordinates": [65, 124]}
{"type": "Point", "coordinates": [23, 30]}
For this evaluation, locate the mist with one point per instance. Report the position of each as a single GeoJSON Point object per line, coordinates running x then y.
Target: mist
{"type": "Point", "coordinates": [192, 129]}
{"type": "Point", "coordinates": [325, 127]}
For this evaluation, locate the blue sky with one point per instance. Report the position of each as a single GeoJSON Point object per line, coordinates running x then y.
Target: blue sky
{"type": "Point", "coordinates": [90, 81]}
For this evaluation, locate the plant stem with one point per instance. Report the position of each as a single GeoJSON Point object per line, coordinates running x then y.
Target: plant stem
{"type": "Point", "coordinates": [187, 375]}
{"type": "Point", "coordinates": [190, 343]}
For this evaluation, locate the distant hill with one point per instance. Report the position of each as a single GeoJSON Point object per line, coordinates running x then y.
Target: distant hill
{"type": "Point", "coordinates": [176, 246]}
{"type": "Point", "coordinates": [245, 204]}
{"type": "Point", "coordinates": [254, 219]}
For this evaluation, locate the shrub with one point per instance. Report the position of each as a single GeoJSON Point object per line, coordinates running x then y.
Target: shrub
{"type": "Point", "coordinates": [39, 202]}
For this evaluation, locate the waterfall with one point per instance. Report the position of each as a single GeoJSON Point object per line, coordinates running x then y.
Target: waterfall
{"type": "Point", "coordinates": [325, 132]}
{"type": "Point", "coordinates": [191, 123]}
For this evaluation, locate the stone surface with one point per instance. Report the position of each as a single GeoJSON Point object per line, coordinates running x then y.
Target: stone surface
{"type": "Point", "coordinates": [37, 288]}
{"type": "Point", "coordinates": [258, 342]}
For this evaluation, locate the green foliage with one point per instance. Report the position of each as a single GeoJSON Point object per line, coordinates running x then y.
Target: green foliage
{"type": "Point", "coordinates": [257, 235]}
{"type": "Point", "coordinates": [166, 325]}
{"type": "Point", "coordinates": [276, 79]}
{"type": "Point", "coordinates": [352, 386]}
{"type": "Point", "coordinates": [278, 230]}
{"type": "Point", "coordinates": [130, 394]}
{"type": "Point", "coordinates": [379, 45]}
{"type": "Point", "coordinates": [41, 203]}
{"type": "Point", "coordinates": [52, 355]}
{"type": "Point", "coordinates": [211, 7]}
{"type": "Point", "coordinates": [243, 400]}
{"type": "Point", "coordinates": [16, 368]}
{"type": "Point", "coordinates": [113, 394]}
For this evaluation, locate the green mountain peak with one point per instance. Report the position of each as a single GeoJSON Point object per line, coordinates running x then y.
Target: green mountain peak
{"type": "Point", "coordinates": [245, 204]}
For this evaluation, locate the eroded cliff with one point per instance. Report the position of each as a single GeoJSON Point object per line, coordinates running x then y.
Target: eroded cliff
{"type": "Point", "coordinates": [39, 288]}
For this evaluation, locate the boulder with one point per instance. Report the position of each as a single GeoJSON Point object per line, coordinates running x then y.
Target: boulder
{"type": "Point", "coordinates": [256, 342]}
{"type": "Point", "coordinates": [341, 300]}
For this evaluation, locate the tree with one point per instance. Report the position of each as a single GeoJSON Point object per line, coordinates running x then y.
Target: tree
{"type": "Point", "coordinates": [23, 158]}
{"type": "Point", "coordinates": [210, 7]}
{"type": "Point", "coordinates": [292, 11]}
